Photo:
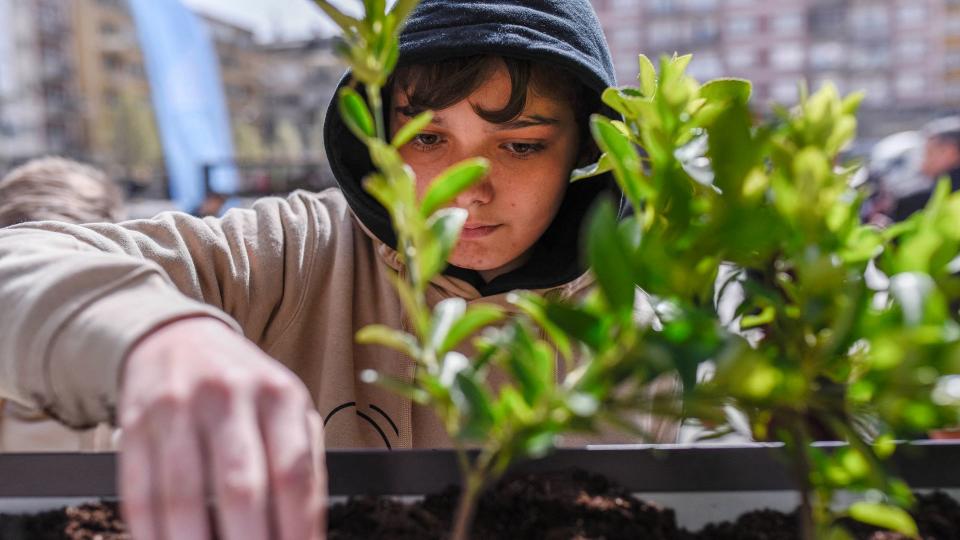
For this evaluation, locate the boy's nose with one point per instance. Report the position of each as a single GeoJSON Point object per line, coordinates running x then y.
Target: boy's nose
{"type": "Point", "coordinates": [479, 194]}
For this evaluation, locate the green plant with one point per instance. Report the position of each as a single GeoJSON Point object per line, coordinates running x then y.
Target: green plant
{"type": "Point", "coordinates": [711, 186]}
{"type": "Point", "coordinates": [715, 187]}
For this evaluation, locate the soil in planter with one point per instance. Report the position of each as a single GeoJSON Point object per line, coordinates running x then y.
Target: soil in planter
{"type": "Point", "coordinates": [99, 521]}
{"type": "Point", "coordinates": [937, 516]}
{"type": "Point", "coordinates": [571, 505]}
{"type": "Point", "coordinates": [560, 506]}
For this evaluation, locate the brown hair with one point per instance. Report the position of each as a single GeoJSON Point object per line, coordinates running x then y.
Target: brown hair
{"type": "Point", "coordinates": [438, 85]}
{"type": "Point", "coordinates": [55, 188]}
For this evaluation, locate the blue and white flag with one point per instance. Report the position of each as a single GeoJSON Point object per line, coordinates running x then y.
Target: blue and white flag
{"type": "Point", "coordinates": [187, 95]}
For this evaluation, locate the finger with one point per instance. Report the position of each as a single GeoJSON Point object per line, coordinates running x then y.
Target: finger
{"type": "Point", "coordinates": [136, 490]}
{"type": "Point", "coordinates": [293, 481]}
{"type": "Point", "coordinates": [235, 448]}
{"type": "Point", "coordinates": [315, 423]}
{"type": "Point", "coordinates": [180, 472]}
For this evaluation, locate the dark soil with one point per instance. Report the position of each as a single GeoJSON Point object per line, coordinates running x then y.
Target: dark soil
{"type": "Point", "coordinates": [560, 506]}
{"type": "Point", "coordinates": [87, 522]}
{"type": "Point", "coordinates": [572, 505]}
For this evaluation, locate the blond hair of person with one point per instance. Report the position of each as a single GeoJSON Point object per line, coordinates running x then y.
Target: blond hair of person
{"type": "Point", "coordinates": [59, 189]}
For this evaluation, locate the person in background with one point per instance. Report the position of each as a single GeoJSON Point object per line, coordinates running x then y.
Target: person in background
{"type": "Point", "coordinates": [58, 189]}
{"type": "Point", "coordinates": [941, 158]}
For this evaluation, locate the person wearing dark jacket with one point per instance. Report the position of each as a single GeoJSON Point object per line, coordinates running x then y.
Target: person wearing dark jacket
{"type": "Point", "coordinates": [941, 159]}
{"type": "Point", "coordinates": [219, 344]}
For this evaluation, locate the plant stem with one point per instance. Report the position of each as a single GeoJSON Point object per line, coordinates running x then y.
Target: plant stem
{"type": "Point", "coordinates": [802, 461]}
{"type": "Point", "coordinates": [376, 104]}
{"type": "Point", "coordinates": [467, 505]}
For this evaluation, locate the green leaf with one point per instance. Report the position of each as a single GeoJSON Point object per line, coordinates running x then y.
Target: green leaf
{"type": "Point", "coordinates": [538, 444]}
{"type": "Point", "coordinates": [412, 128]}
{"type": "Point", "coordinates": [375, 9]}
{"type": "Point", "coordinates": [381, 189]}
{"type": "Point", "coordinates": [452, 182]}
{"type": "Point", "coordinates": [398, 386]}
{"type": "Point", "coordinates": [535, 306]}
{"type": "Point", "coordinates": [610, 259]}
{"type": "Point", "coordinates": [474, 404]}
{"type": "Point", "coordinates": [863, 244]}
{"type": "Point", "coordinates": [852, 102]}
{"type": "Point", "coordinates": [578, 323]}
{"type": "Point", "coordinates": [444, 226]}
{"type": "Point", "coordinates": [884, 515]}
{"type": "Point", "coordinates": [388, 160]}
{"type": "Point", "coordinates": [477, 317]}
{"type": "Point", "coordinates": [602, 166]}
{"type": "Point", "coordinates": [624, 157]}
{"type": "Point", "coordinates": [527, 371]}
{"type": "Point", "coordinates": [345, 22]}
{"type": "Point", "coordinates": [445, 314]}
{"type": "Point", "coordinates": [647, 76]}
{"type": "Point", "coordinates": [403, 8]}
{"type": "Point", "coordinates": [766, 316]}
{"type": "Point", "coordinates": [727, 89]}
{"type": "Point", "coordinates": [354, 111]}
{"type": "Point", "coordinates": [395, 339]}
{"type": "Point", "coordinates": [390, 58]}
{"type": "Point", "coordinates": [680, 63]}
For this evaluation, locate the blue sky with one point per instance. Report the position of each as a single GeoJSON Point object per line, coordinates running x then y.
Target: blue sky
{"type": "Point", "coordinates": [289, 18]}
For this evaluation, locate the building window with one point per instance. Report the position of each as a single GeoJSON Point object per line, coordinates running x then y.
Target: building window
{"type": "Point", "coordinates": [784, 92]}
{"type": "Point", "coordinates": [870, 19]}
{"type": "Point", "coordinates": [788, 57]}
{"type": "Point", "coordinates": [703, 31]}
{"type": "Point", "coordinates": [663, 34]}
{"type": "Point", "coordinates": [627, 37]}
{"type": "Point", "coordinates": [873, 57]}
{"type": "Point", "coordinates": [702, 5]}
{"type": "Point", "coordinates": [827, 55]}
{"type": "Point", "coordinates": [952, 60]}
{"type": "Point", "coordinates": [656, 6]}
{"type": "Point", "coordinates": [742, 57]}
{"type": "Point", "coordinates": [912, 14]}
{"type": "Point", "coordinates": [705, 66]}
{"type": "Point", "coordinates": [787, 24]}
{"type": "Point", "coordinates": [910, 85]}
{"type": "Point", "coordinates": [911, 49]}
{"type": "Point", "coordinates": [741, 26]}
{"type": "Point", "coordinates": [876, 89]}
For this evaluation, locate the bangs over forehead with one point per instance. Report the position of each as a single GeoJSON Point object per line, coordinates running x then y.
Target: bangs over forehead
{"type": "Point", "coordinates": [438, 85]}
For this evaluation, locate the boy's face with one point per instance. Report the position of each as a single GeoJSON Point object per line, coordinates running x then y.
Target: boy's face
{"type": "Point", "coordinates": [530, 158]}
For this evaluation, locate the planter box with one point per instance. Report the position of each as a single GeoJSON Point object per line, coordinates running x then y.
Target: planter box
{"type": "Point", "coordinates": [703, 483]}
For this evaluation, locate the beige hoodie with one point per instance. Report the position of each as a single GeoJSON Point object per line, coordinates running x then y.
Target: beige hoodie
{"type": "Point", "coordinates": [297, 276]}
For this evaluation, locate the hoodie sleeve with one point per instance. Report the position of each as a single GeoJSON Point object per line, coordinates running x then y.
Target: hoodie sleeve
{"type": "Point", "coordinates": [75, 299]}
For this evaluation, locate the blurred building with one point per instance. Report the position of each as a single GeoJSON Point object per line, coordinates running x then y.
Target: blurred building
{"type": "Point", "coordinates": [37, 80]}
{"type": "Point", "coordinates": [951, 30]}
{"type": "Point", "coordinates": [118, 123]}
{"type": "Point", "coordinates": [302, 76]}
{"type": "Point", "coordinates": [242, 68]}
{"type": "Point", "coordinates": [73, 81]}
{"type": "Point", "coordinates": [905, 54]}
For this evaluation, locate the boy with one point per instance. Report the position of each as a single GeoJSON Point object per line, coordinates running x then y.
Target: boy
{"type": "Point", "coordinates": [213, 338]}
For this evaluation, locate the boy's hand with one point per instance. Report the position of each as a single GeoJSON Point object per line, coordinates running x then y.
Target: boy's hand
{"type": "Point", "coordinates": [203, 411]}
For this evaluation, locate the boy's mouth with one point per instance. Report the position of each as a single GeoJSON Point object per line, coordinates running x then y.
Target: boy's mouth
{"type": "Point", "coordinates": [472, 231]}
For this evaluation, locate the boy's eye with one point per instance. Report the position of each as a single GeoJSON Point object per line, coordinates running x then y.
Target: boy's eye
{"type": "Point", "coordinates": [427, 139]}
{"type": "Point", "coordinates": [524, 149]}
